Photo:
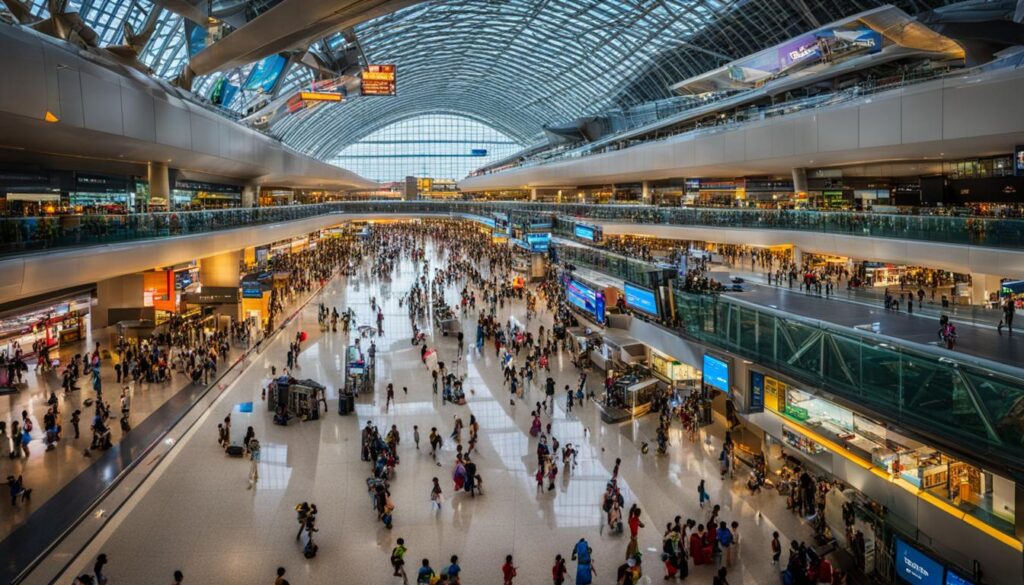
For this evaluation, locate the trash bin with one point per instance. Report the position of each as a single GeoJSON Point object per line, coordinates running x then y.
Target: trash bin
{"type": "Point", "coordinates": [346, 403]}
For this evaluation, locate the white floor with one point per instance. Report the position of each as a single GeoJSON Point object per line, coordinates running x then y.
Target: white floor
{"type": "Point", "coordinates": [197, 515]}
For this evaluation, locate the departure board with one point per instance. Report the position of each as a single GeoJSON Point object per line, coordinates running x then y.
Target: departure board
{"type": "Point", "coordinates": [379, 80]}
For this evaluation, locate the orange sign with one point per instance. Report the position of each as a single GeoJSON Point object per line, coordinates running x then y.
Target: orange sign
{"type": "Point", "coordinates": [379, 80]}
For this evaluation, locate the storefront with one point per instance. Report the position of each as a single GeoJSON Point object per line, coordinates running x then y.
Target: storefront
{"type": "Point", "coordinates": [680, 376]}
{"type": "Point", "coordinates": [54, 324]}
{"type": "Point", "coordinates": [814, 426]}
{"type": "Point", "coordinates": [201, 195]}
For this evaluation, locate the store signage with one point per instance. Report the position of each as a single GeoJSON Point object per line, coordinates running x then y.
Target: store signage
{"type": "Point", "coordinates": [1018, 160]}
{"type": "Point", "coordinates": [915, 567]}
{"type": "Point", "coordinates": [797, 50]}
{"type": "Point", "coordinates": [716, 372]}
{"type": "Point", "coordinates": [641, 299]}
{"type": "Point", "coordinates": [756, 392]}
{"type": "Point", "coordinates": [796, 412]}
{"type": "Point", "coordinates": [252, 290]}
{"type": "Point", "coordinates": [379, 80]}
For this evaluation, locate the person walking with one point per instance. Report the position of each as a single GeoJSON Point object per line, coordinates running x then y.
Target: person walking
{"type": "Point", "coordinates": [558, 571]}
{"type": "Point", "coordinates": [634, 531]}
{"type": "Point", "coordinates": [425, 576]}
{"type": "Point", "coordinates": [254, 461]}
{"type": "Point", "coordinates": [508, 571]}
{"type": "Point", "coordinates": [179, 577]}
{"type": "Point", "coordinates": [702, 494]}
{"type": "Point", "coordinates": [585, 571]}
{"type": "Point", "coordinates": [97, 569]}
{"type": "Point", "coordinates": [436, 496]}
{"type": "Point", "coordinates": [398, 560]}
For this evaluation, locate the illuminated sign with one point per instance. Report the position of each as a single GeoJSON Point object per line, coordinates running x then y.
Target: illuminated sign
{"type": "Point", "coordinates": [913, 566]}
{"type": "Point", "coordinates": [379, 80]}
{"type": "Point", "coordinates": [584, 232]}
{"type": "Point", "coordinates": [641, 299]}
{"type": "Point", "coordinates": [585, 298]}
{"type": "Point", "coordinates": [265, 74]}
{"type": "Point", "coordinates": [538, 242]}
{"type": "Point", "coordinates": [716, 373]}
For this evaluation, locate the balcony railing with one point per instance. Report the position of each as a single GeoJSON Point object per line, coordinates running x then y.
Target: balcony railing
{"type": "Point", "coordinates": [26, 234]}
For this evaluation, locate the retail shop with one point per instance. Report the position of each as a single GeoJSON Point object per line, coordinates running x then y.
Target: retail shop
{"type": "Point", "coordinates": [819, 429]}
{"type": "Point", "coordinates": [189, 194]}
{"type": "Point", "coordinates": [51, 324]}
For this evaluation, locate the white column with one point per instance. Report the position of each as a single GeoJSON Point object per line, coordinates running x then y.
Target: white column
{"type": "Point", "coordinates": [798, 257]}
{"type": "Point", "coordinates": [159, 182]}
{"type": "Point", "coordinates": [799, 180]}
{"type": "Point", "coordinates": [533, 193]}
{"type": "Point", "coordinates": [646, 186]}
{"type": "Point", "coordinates": [983, 285]}
{"type": "Point", "coordinates": [250, 195]}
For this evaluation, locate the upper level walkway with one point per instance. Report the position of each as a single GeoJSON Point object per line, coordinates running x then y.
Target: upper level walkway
{"type": "Point", "coordinates": [968, 400]}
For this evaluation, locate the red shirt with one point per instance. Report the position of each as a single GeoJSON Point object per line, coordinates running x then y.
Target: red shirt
{"type": "Point", "coordinates": [508, 571]}
{"type": "Point", "coordinates": [634, 526]}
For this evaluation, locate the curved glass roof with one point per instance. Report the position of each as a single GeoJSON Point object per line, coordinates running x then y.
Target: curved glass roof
{"type": "Point", "coordinates": [514, 65]}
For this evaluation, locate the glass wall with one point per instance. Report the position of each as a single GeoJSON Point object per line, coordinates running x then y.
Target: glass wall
{"type": "Point", "coordinates": [438, 146]}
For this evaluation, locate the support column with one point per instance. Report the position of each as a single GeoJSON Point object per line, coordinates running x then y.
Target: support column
{"type": "Point", "coordinates": [291, 197]}
{"type": "Point", "coordinates": [799, 180]}
{"type": "Point", "coordinates": [798, 257]}
{"type": "Point", "coordinates": [222, 270]}
{"type": "Point", "coordinates": [120, 299]}
{"type": "Point", "coordinates": [250, 196]}
{"type": "Point", "coordinates": [982, 285]}
{"type": "Point", "coordinates": [646, 192]}
{"type": "Point", "coordinates": [159, 183]}
{"type": "Point", "coordinates": [533, 194]}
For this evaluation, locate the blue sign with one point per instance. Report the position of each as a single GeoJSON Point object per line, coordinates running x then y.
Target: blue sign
{"type": "Point", "coordinates": [265, 74]}
{"type": "Point", "coordinates": [756, 392]}
{"type": "Point", "coordinates": [953, 578]}
{"type": "Point", "coordinates": [915, 567]}
{"type": "Point", "coordinates": [586, 299]}
{"type": "Point", "coordinates": [538, 242]}
{"type": "Point", "coordinates": [252, 290]}
{"type": "Point", "coordinates": [641, 299]}
{"type": "Point", "coordinates": [478, 152]}
{"type": "Point", "coordinates": [584, 232]}
{"type": "Point", "coordinates": [716, 373]}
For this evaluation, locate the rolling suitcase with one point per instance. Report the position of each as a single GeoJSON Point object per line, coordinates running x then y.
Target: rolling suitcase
{"type": "Point", "coordinates": [235, 451]}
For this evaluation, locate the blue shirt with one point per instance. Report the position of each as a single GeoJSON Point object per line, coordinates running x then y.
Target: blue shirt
{"type": "Point", "coordinates": [424, 575]}
{"type": "Point", "coordinates": [724, 537]}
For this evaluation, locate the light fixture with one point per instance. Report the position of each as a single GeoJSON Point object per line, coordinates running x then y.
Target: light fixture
{"type": "Point", "coordinates": [50, 117]}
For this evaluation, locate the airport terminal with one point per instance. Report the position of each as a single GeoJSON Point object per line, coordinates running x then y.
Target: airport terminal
{"type": "Point", "coordinates": [511, 292]}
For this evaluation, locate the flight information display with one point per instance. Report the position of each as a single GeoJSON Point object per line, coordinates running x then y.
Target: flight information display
{"type": "Point", "coordinates": [379, 80]}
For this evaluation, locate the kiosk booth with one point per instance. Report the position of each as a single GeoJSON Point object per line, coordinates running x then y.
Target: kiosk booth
{"type": "Point", "coordinates": [296, 398]}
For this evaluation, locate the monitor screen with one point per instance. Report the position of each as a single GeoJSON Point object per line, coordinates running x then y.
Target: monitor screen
{"type": "Point", "coordinates": [954, 578]}
{"type": "Point", "coordinates": [265, 74]}
{"type": "Point", "coordinates": [586, 299]}
{"type": "Point", "coordinates": [716, 373]}
{"type": "Point", "coordinates": [915, 567]}
{"type": "Point", "coordinates": [538, 242]}
{"type": "Point", "coordinates": [641, 299]}
{"type": "Point", "coordinates": [584, 232]}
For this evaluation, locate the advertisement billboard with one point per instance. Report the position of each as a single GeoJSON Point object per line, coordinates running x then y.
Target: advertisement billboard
{"type": "Point", "coordinates": [584, 232]}
{"type": "Point", "coordinates": [915, 567]}
{"type": "Point", "coordinates": [716, 373]}
{"type": "Point", "coordinates": [641, 299]}
{"type": "Point", "coordinates": [756, 392]}
{"type": "Point", "coordinates": [265, 74]}
{"type": "Point", "coordinates": [800, 49]}
{"type": "Point", "coordinates": [586, 299]}
{"type": "Point", "coordinates": [1018, 161]}
{"type": "Point", "coordinates": [538, 242]}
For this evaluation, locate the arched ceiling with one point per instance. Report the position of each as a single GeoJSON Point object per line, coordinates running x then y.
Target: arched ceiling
{"type": "Point", "coordinates": [517, 65]}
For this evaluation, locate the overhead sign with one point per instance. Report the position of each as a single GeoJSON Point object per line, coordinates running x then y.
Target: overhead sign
{"type": "Point", "coordinates": [305, 99]}
{"type": "Point", "coordinates": [716, 373]}
{"type": "Point", "coordinates": [265, 74]}
{"type": "Point", "coordinates": [641, 299]}
{"type": "Point", "coordinates": [379, 80]}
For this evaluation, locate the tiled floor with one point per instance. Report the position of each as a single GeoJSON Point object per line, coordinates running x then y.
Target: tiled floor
{"type": "Point", "coordinates": [197, 514]}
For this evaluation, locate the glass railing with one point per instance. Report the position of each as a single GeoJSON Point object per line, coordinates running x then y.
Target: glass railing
{"type": "Point", "coordinates": [962, 399]}
{"type": "Point", "coordinates": [19, 234]}
{"type": "Point", "coordinates": [27, 234]}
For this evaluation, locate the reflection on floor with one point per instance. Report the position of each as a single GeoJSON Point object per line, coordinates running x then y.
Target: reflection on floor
{"type": "Point", "coordinates": [197, 514]}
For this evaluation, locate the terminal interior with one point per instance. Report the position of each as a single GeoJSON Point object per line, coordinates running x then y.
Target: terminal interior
{"type": "Point", "coordinates": [462, 291]}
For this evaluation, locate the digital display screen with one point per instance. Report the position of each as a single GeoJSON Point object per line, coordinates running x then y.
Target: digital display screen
{"type": "Point", "coordinates": [583, 232]}
{"type": "Point", "coordinates": [1018, 161]}
{"type": "Point", "coordinates": [756, 392]}
{"type": "Point", "coordinates": [953, 578]}
{"type": "Point", "coordinates": [265, 74]}
{"type": "Point", "coordinates": [586, 299]}
{"type": "Point", "coordinates": [252, 290]}
{"type": "Point", "coordinates": [915, 567]}
{"type": "Point", "coordinates": [641, 299]}
{"type": "Point", "coordinates": [538, 242]}
{"type": "Point", "coordinates": [379, 80]}
{"type": "Point", "coordinates": [716, 373]}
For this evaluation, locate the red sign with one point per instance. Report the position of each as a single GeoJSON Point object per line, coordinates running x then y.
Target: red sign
{"type": "Point", "coordinates": [379, 80]}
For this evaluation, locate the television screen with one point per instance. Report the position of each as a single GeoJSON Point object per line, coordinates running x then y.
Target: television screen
{"type": "Point", "coordinates": [584, 232]}
{"type": "Point", "coordinates": [915, 567]}
{"type": "Point", "coordinates": [716, 373]}
{"type": "Point", "coordinates": [641, 299]}
{"type": "Point", "coordinates": [954, 578]}
{"type": "Point", "coordinates": [586, 299]}
{"type": "Point", "coordinates": [538, 242]}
